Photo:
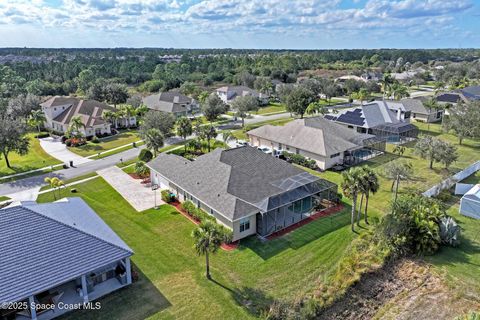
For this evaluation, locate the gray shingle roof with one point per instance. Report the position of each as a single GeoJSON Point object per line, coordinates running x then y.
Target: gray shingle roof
{"type": "Point", "coordinates": [316, 135]}
{"type": "Point", "coordinates": [39, 252]}
{"type": "Point", "coordinates": [413, 105]}
{"type": "Point", "coordinates": [170, 101]}
{"type": "Point", "coordinates": [90, 111]}
{"type": "Point", "coordinates": [229, 181]}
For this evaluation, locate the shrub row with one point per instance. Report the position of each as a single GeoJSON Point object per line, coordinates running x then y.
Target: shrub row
{"type": "Point", "coordinates": [200, 215]}
{"type": "Point", "coordinates": [300, 160]}
{"type": "Point", "coordinates": [167, 196]}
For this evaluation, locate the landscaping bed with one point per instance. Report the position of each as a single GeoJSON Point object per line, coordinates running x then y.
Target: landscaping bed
{"type": "Point", "coordinates": [107, 143]}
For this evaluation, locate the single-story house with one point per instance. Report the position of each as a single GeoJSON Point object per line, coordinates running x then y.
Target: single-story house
{"type": "Point", "coordinates": [466, 94]}
{"type": "Point", "coordinates": [230, 93]}
{"type": "Point", "coordinates": [245, 189]}
{"type": "Point", "coordinates": [376, 118]}
{"type": "Point", "coordinates": [55, 255]}
{"type": "Point", "coordinates": [59, 111]}
{"type": "Point", "coordinates": [372, 76]}
{"type": "Point", "coordinates": [471, 93]}
{"type": "Point", "coordinates": [171, 102]}
{"type": "Point", "coordinates": [414, 109]}
{"type": "Point", "coordinates": [326, 142]}
{"type": "Point", "coordinates": [470, 203]}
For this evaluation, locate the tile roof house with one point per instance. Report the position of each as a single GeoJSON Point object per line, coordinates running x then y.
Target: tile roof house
{"type": "Point", "coordinates": [376, 118]}
{"type": "Point", "coordinates": [229, 93]}
{"type": "Point", "coordinates": [414, 109]}
{"type": "Point", "coordinates": [171, 102]}
{"type": "Point", "coordinates": [66, 252]}
{"type": "Point", "coordinates": [324, 141]}
{"type": "Point", "coordinates": [245, 189]}
{"type": "Point", "coordinates": [59, 111]}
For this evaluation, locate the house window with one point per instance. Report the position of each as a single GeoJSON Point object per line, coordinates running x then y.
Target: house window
{"type": "Point", "coordinates": [297, 151]}
{"type": "Point", "coordinates": [414, 115]}
{"type": "Point", "coordinates": [244, 224]}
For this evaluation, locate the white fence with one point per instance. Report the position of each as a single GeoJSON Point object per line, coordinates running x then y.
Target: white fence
{"type": "Point", "coordinates": [451, 181]}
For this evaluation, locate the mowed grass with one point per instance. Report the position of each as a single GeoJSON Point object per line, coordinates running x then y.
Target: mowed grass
{"type": "Point", "coordinates": [272, 107]}
{"type": "Point", "coordinates": [36, 158]}
{"type": "Point", "coordinates": [172, 277]}
{"type": "Point", "coordinates": [121, 139]}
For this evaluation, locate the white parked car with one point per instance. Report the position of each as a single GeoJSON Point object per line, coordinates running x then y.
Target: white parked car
{"type": "Point", "coordinates": [241, 143]}
{"type": "Point", "coordinates": [265, 150]}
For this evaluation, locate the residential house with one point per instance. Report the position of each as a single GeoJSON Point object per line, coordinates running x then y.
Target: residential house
{"type": "Point", "coordinates": [324, 141]}
{"type": "Point", "coordinates": [376, 118]}
{"type": "Point", "coordinates": [230, 93]}
{"type": "Point", "coordinates": [172, 102]}
{"type": "Point", "coordinates": [372, 76]}
{"type": "Point", "coordinates": [59, 111]}
{"type": "Point", "coordinates": [415, 109]}
{"type": "Point", "coordinates": [450, 98]}
{"type": "Point", "coordinates": [57, 254]}
{"type": "Point", "coordinates": [245, 189]}
{"type": "Point", "coordinates": [470, 203]}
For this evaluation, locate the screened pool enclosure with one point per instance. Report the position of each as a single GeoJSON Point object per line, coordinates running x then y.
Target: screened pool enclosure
{"type": "Point", "coordinates": [396, 133]}
{"type": "Point", "coordinates": [301, 199]}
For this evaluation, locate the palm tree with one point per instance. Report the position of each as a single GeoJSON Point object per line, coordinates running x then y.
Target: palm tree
{"type": "Point", "coordinates": [128, 112]}
{"type": "Point", "coordinates": [76, 124]}
{"type": "Point", "coordinates": [108, 116]}
{"type": "Point", "coordinates": [228, 136]}
{"type": "Point", "coordinates": [360, 95]}
{"type": "Point", "coordinates": [184, 128]}
{"type": "Point", "coordinates": [55, 183]}
{"type": "Point", "coordinates": [386, 82]}
{"type": "Point", "coordinates": [399, 91]}
{"type": "Point", "coordinates": [431, 104]}
{"type": "Point", "coordinates": [396, 171]}
{"type": "Point", "coordinates": [316, 107]}
{"type": "Point", "coordinates": [141, 169]}
{"type": "Point", "coordinates": [153, 139]}
{"type": "Point", "coordinates": [351, 185]}
{"type": "Point", "coordinates": [371, 185]}
{"type": "Point", "coordinates": [208, 239]}
{"type": "Point", "coordinates": [37, 118]}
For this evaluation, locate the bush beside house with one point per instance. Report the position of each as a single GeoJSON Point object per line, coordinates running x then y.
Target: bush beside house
{"type": "Point", "coordinates": [300, 160]}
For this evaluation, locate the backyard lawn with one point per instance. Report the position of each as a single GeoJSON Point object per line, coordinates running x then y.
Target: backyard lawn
{"type": "Point", "coordinates": [123, 138]}
{"type": "Point", "coordinates": [172, 284]}
{"type": "Point", "coordinates": [35, 158]}
{"type": "Point", "coordinates": [272, 107]}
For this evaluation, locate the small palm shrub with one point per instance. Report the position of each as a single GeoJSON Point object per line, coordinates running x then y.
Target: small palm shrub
{"type": "Point", "coordinates": [167, 196]}
{"type": "Point", "coordinates": [449, 231]}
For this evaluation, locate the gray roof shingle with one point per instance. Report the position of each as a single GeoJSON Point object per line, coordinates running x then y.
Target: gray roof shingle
{"type": "Point", "coordinates": [232, 181]}
{"type": "Point", "coordinates": [171, 101]}
{"type": "Point", "coordinates": [39, 252]}
{"type": "Point", "coordinates": [316, 135]}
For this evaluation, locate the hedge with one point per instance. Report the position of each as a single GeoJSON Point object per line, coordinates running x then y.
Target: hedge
{"type": "Point", "coordinates": [300, 160]}
{"type": "Point", "coordinates": [145, 155]}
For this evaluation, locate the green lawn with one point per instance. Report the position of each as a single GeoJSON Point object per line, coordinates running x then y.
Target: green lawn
{"type": "Point", "coordinates": [36, 158]}
{"type": "Point", "coordinates": [172, 283]}
{"type": "Point", "coordinates": [82, 177]}
{"type": "Point", "coordinates": [123, 138]}
{"type": "Point", "coordinates": [4, 198]}
{"type": "Point", "coordinates": [272, 107]}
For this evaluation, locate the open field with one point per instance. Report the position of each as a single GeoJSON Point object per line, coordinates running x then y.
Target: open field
{"type": "Point", "coordinates": [172, 283]}
{"type": "Point", "coordinates": [36, 158]}
{"type": "Point", "coordinates": [107, 143]}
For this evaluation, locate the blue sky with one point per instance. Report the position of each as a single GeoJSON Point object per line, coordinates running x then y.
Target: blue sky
{"type": "Point", "coordinates": [271, 24]}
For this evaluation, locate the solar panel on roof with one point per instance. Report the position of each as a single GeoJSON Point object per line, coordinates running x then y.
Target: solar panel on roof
{"type": "Point", "coordinates": [352, 117]}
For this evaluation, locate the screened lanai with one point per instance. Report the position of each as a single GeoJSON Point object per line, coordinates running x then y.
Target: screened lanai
{"type": "Point", "coordinates": [294, 205]}
{"type": "Point", "coordinates": [396, 133]}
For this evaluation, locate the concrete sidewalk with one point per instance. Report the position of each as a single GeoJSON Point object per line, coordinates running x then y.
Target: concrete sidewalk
{"type": "Point", "coordinates": [139, 195]}
{"type": "Point", "coordinates": [58, 150]}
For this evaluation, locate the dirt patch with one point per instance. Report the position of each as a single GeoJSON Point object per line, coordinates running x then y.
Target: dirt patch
{"type": "Point", "coordinates": [405, 289]}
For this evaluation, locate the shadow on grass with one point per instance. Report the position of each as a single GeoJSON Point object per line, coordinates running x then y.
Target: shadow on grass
{"type": "Point", "coordinates": [140, 300]}
{"type": "Point", "coordinates": [299, 237]}
{"type": "Point", "coordinates": [450, 256]}
{"type": "Point", "coordinates": [253, 300]}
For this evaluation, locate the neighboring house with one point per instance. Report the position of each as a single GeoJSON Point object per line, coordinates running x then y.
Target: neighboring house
{"type": "Point", "coordinates": [56, 254]}
{"type": "Point", "coordinates": [245, 189]}
{"type": "Point", "coordinates": [372, 76]}
{"type": "Point", "coordinates": [59, 111]}
{"type": "Point", "coordinates": [326, 142]}
{"type": "Point", "coordinates": [230, 93]}
{"type": "Point", "coordinates": [377, 119]}
{"type": "Point", "coordinates": [171, 102]}
{"type": "Point", "coordinates": [414, 109]}
{"type": "Point", "coordinates": [470, 203]}
{"type": "Point", "coordinates": [343, 79]}
{"type": "Point", "coordinates": [450, 98]}
{"type": "Point", "coordinates": [471, 93]}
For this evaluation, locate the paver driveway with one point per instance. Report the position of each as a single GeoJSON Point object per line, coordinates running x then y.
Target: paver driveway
{"type": "Point", "coordinates": [58, 150]}
{"type": "Point", "coordinates": [139, 195]}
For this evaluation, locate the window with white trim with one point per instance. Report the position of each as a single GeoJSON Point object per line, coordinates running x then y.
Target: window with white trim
{"type": "Point", "coordinates": [244, 224]}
